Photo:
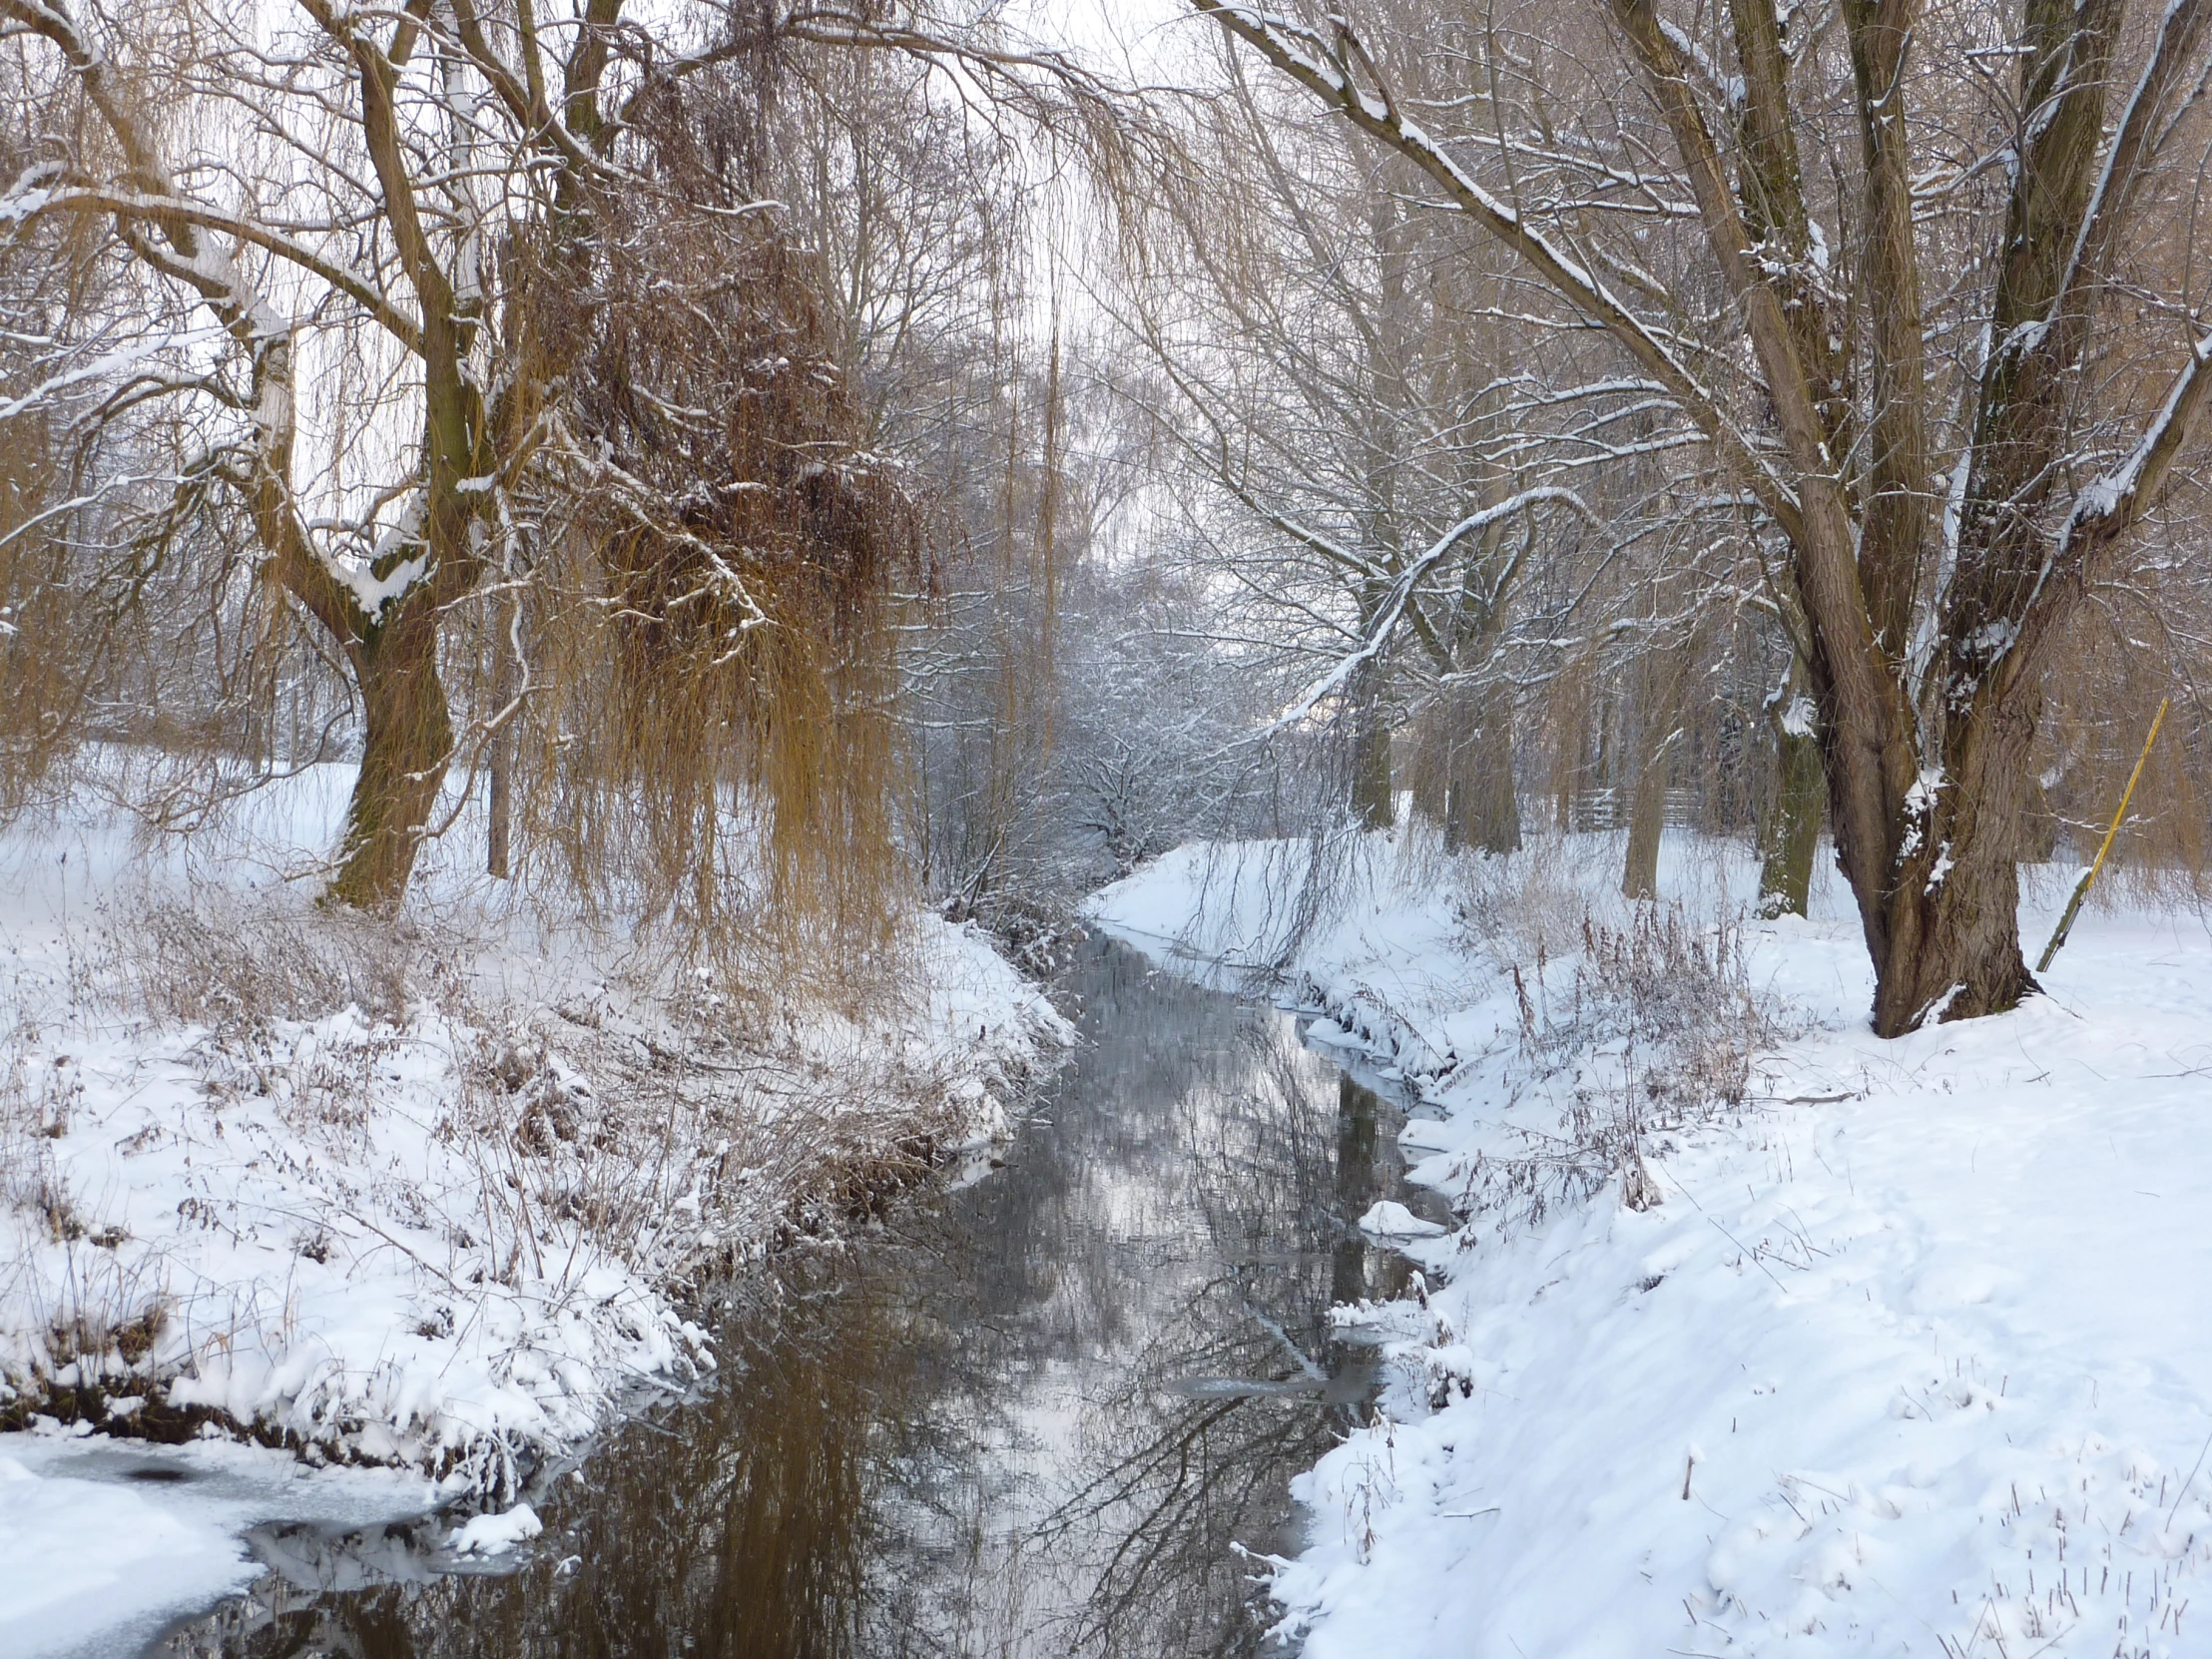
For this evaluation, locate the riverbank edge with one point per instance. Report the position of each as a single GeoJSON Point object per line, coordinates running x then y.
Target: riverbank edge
{"type": "Point", "coordinates": [847, 1190]}
{"type": "Point", "coordinates": [1891, 1343]}
{"type": "Point", "coordinates": [921, 1128]}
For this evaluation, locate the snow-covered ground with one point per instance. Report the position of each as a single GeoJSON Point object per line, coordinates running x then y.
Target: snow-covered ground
{"type": "Point", "coordinates": [103, 1542]}
{"type": "Point", "coordinates": [421, 1196]}
{"type": "Point", "coordinates": [1907, 1351]}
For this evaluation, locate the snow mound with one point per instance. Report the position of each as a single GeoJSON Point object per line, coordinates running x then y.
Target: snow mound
{"type": "Point", "coordinates": [495, 1534]}
{"type": "Point", "coordinates": [1389, 1219]}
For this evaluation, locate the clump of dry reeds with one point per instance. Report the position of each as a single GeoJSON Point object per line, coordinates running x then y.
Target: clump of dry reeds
{"type": "Point", "coordinates": [231, 966]}
{"type": "Point", "coordinates": [1656, 1031]}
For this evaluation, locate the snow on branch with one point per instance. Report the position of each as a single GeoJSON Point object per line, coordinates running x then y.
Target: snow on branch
{"type": "Point", "coordinates": [109, 366]}
{"type": "Point", "coordinates": [28, 197]}
{"type": "Point", "coordinates": [1402, 592]}
{"type": "Point", "coordinates": [2117, 500]}
{"type": "Point", "coordinates": [1001, 65]}
{"type": "Point", "coordinates": [1325, 69]}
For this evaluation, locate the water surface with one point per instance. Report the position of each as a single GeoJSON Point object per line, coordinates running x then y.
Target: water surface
{"type": "Point", "coordinates": [1038, 1413]}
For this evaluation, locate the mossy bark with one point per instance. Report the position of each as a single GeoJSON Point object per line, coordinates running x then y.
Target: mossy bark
{"type": "Point", "coordinates": [1791, 831]}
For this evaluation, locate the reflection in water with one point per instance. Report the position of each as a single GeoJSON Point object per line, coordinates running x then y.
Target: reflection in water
{"type": "Point", "coordinates": [1031, 1416]}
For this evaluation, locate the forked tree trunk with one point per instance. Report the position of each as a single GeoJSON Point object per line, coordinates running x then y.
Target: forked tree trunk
{"type": "Point", "coordinates": [1963, 960]}
{"type": "Point", "coordinates": [408, 742]}
{"type": "Point", "coordinates": [1951, 914]}
{"type": "Point", "coordinates": [1793, 828]}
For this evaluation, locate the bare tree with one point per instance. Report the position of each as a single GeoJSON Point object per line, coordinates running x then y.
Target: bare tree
{"type": "Point", "coordinates": [1381, 483]}
{"type": "Point", "coordinates": [1912, 363]}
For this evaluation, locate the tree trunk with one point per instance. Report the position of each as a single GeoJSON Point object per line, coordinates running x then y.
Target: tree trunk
{"type": "Point", "coordinates": [1372, 805]}
{"type": "Point", "coordinates": [1951, 914]}
{"type": "Point", "coordinates": [403, 759]}
{"type": "Point", "coordinates": [1647, 815]}
{"type": "Point", "coordinates": [1431, 772]}
{"type": "Point", "coordinates": [1658, 695]}
{"type": "Point", "coordinates": [1793, 827]}
{"type": "Point", "coordinates": [1492, 807]}
{"type": "Point", "coordinates": [1472, 756]}
{"type": "Point", "coordinates": [501, 765]}
{"type": "Point", "coordinates": [1963, 958]}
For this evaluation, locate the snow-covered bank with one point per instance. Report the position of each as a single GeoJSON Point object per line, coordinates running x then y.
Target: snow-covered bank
{"type": "Point", "coordinates": [1911, 1355]}
{"type": "Point", "coordinates": [102, 1542]}
{"type": "Point", "coordinates": [424, 1193]}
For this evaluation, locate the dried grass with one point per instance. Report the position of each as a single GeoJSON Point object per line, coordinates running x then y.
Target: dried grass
{"type": "Point", "coordinates": [652, 1112]}
{"type": "Point", "coordinates": [237, 966]}
{"type": "Point", "coordinates": [634, 1120]}
{"type": "Point", "coordinates": [101, 1317]}
{"type": "Point", "coordinates": [1653, 1032]}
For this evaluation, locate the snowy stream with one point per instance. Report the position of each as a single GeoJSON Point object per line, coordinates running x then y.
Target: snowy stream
{"type": "Point", "coordinates": [1042, 1411]}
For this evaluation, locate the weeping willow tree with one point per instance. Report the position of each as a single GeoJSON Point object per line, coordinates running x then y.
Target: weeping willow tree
{"type": "Point", "coordinates": [713, 731]}
{"type": "Point", "coordinates": [450, 389]}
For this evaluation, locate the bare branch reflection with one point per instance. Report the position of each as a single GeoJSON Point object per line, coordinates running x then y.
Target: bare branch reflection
{"type": "Point", "coordinates": [1031, 1416]}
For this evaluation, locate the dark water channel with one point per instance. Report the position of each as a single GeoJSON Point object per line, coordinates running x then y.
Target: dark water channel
{"type": "Point", "coordinates": [1031, 1415]}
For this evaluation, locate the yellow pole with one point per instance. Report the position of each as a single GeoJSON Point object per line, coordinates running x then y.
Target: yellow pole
{"type": "Point", "coordinates": [2089, 875]}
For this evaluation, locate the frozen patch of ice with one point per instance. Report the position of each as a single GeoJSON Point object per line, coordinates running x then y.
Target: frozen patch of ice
{"type": "Point", "coordinates": [103, 1541]}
